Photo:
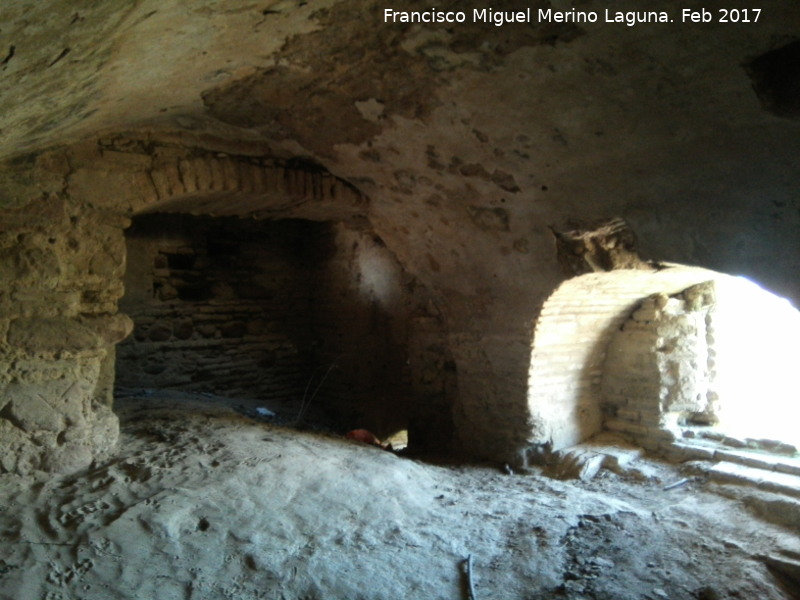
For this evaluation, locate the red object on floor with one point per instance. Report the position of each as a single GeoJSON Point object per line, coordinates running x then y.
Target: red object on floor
{"type": "Point", "coordinates": [363, 436]}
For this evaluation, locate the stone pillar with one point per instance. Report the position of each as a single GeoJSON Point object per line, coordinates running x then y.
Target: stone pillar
{"type": "Point", "coordinates": [61, 267]}
{"type": "Point", "coordinates": [657, 367]}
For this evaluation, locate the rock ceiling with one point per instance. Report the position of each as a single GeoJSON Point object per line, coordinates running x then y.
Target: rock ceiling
{"type": "Point", "coordinates": [469, 139]}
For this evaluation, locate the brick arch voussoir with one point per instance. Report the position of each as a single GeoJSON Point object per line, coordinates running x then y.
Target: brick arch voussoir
{"type": "Point", "coordinates": [231, 175]}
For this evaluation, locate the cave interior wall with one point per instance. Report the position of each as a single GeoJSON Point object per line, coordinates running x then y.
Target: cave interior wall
{"type": "Point", "coordinates": [460, 148]}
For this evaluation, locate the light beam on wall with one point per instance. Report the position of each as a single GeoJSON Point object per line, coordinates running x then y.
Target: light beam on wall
{"type": "Point", "coordinates": [377, 275]}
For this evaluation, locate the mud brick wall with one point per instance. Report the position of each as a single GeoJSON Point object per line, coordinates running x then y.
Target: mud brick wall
{"type": "Point", "coordinates": [279, 310]}
{"type": "Point", "coordinates": [657, 369]}
{"type": "Point", "coordinates": [60, 268]}
{"type": "Point", "coordinates": [221, 305]}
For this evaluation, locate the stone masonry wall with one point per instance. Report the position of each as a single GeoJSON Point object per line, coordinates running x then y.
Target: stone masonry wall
{"type": "Point", "coordinates": [279, 311]}
{"type": "Point", "coordinates": [222, 305]}
{"type": "Point", "coordinates": [60, 274]}
{"type": "Point", "coordinates": [657, 369]}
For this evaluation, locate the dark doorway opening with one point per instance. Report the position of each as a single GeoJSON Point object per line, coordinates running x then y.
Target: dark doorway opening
{"type": "Point", "coordinates": [300, 322]}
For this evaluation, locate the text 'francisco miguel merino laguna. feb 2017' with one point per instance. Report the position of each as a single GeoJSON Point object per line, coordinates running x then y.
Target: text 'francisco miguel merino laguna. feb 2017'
{"type": "Point", "coordinates": [629, 18]}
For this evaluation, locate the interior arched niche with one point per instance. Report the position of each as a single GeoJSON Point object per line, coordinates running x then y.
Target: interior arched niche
{"type": "Point", "coordinates": [314, 321]}
{"type": "Point", "coordinates": [265, 283]}
{"type": "Point", "coordinates": [383, 353]}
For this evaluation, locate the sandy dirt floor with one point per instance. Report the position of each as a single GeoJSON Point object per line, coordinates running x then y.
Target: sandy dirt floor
{"type": "Point", "coordinates": [203, 502]}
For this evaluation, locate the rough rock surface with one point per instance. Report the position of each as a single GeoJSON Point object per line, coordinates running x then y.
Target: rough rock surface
{"type": "Point", "coordinates": [57, 330]}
